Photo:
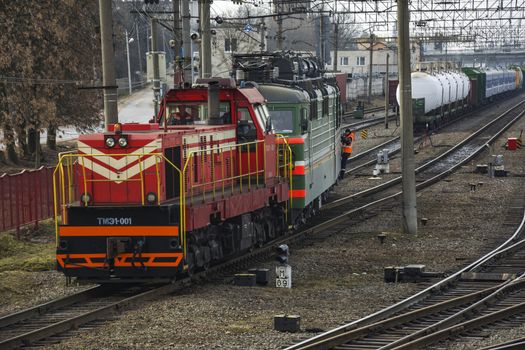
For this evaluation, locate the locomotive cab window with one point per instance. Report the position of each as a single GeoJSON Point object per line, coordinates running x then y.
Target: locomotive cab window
{"type": "Point", "coordinates": [181, 113]}
{"type": "Point", "coordinates": [282, 120]}
{"type": "Point", "coordinates": [187, 113]}
{"type": "Point", "coordinates": [246, 130]}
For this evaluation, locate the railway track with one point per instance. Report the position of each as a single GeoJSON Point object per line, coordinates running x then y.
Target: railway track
{"type": "Point", "coordinates": [368, 157]}
{"type": "Point", "coordinates": [46, 320]}
{"type": "Point", "coordinates": [418, 321]}
{"type": "Point", "coordinates": [439, 167]}
{"type": "Point", "coordinates": [515, 344]}
{"type": "Point", "coordinates": [367, 111]}
{"type": "Point", "coordinates": [487, 293]}
{"type": "Point", "coordinates": [40, 325]}
{"type": "Point", "coordinates": [366, 123]}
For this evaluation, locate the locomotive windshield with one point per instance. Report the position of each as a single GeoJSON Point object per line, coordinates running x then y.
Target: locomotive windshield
{"type": "Point", "coordinates": [282, 121]}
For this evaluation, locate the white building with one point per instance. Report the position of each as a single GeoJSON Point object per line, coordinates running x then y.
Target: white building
{"type": "Point", "coordinates": [357, 61]}
{"type": "Point", "coordinates": [227, 42]}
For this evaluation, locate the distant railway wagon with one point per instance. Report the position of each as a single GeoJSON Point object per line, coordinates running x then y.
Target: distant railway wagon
{"type": "Point", "coordinates": [439, 95]}
{"type": "Point", "coordinates": [220, 170]}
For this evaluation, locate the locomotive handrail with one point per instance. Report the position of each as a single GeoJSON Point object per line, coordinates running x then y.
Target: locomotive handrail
{"type": "Point", "coordinates": [290, 165]}
{"type": "Point", "coordinates": [68, 156]}
{"type": "Point", "coordinates": [204, 183]}
{"type": "Point", "coordinates": [67, 176]}
{"type": "Point", "coordinates": [226, 149]}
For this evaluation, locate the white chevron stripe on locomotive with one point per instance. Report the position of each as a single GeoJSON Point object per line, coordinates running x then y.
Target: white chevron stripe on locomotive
{"type": "Point", "coordinates": [118, 164]}
{"type": "Point", "coordinates": [119, 176]}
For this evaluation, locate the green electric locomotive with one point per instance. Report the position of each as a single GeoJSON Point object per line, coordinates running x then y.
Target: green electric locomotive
{"type": "Point", "coordinates": [305, 107]}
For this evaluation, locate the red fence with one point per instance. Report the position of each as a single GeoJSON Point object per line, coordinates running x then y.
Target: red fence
{"type": "Point", "coordinates": [25, 198]}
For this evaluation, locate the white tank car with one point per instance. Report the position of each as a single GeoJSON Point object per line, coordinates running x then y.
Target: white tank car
{"type": "Point", "coordinates": [439, 88]}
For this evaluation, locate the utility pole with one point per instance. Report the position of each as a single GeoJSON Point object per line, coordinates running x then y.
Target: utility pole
{"type": "Point", "coordinates": [387, 91]}
{"type": "Point", "coordinates": [279, 26]}
{"type": "Point", "coordinates": [336, 38]}
{"type": "Point", "coordinates": [177, 48]}
{"type": "Point", "coordinates": [108, 63]}
{"type": "Point", "coordinates": [129, 66]}
{"type": "Point", "coordinates": [372, 38]}
{"type": "Point", "coordinates": [186, 42]}
{"type": "Point", "coordinates": [322, 42]}
{"type": "Point", "coordinates": [148, 42]}
{"type": "Point", "coordinates": [336, 45]}
{"type": "Point", "coordinates": [205, 52]}
{"type": "Point", "coordinates": [138, 48]}
{"type": "Point", "coordinates": [407, 127]}
{"type": "Point", "coordinates": [262, 35]}
{"type": "Point", "coordinates": [156, 73]}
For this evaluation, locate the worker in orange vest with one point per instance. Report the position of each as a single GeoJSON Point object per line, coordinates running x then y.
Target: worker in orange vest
{"type": "Point", "coordinates": [346, 150]}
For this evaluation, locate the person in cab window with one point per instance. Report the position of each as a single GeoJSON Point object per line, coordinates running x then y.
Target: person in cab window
{"type": "Point", "coordinates": [346, 150]}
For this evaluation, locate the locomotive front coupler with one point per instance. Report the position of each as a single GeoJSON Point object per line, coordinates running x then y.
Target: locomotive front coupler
{"type": "Point", "coordinates": [116, 246]}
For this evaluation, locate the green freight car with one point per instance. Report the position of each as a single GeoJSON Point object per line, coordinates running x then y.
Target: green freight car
{"type": "Point", "coordinates": [478, 83]}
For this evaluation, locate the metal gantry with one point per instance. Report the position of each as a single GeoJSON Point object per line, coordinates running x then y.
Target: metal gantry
{"type": "Point", "coordinates": [493, 23]}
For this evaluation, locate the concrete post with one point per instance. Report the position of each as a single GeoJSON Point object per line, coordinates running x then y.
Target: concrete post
{"type": "Point", "coordinates": [186, 42]}
{"type": "Point", "coordinates": [177, 48]}
{"type": "Point", "coordinates": [370, 67]}
{"type": "Point", "coordinates": [387, 91]}
{"type": "Point", "coordinates": [138, 49]}
{"type": "Point", "coordinates": [279, 27]}
{"type": "Point", "coordinates": [108, 63]}
{"type": "Point", "coordinates": [336, 37]}
{"type": "Point", "coordinates": [262, 35]}
{"type": "Point", "coordinates": [129, 66]}
{"type": "Point", "coordinates": [407, 126]}
{"type": "Point", "coordinates": [156, 73]}
{"type": "Point", "coordinates": [205, 52]}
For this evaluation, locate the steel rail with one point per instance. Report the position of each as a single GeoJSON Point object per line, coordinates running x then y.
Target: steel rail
{"type": "Point", "coordinates": [100, 313]}
{"type": "Point", "coordinates": [41, 309]}
{"type": "Point", "coordinates": [397, 147]}
{"type": "Point", "coordinates": [56, 327]}
{"type": "Point", "coordinates": [449, 326]}
{"type": "Point", "coordinates": [397, 180]}
{"type": "Point", "coordinates": [402, 305]}
{"type": "Point", "coordinates": [515, 344]}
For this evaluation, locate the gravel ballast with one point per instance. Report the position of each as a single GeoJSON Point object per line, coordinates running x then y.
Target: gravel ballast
{"type": "Point", "coordinates": [335, 280]}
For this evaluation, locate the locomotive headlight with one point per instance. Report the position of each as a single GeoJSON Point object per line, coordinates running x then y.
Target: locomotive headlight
{"type": "Point", "coordinates": [110, 142]}
{"type": "Point", "coordinates": [151, 198]}
{"type": "Point", "coordinates": [85, 198]}
{"type": "Point", "coordinates": [122, 142]}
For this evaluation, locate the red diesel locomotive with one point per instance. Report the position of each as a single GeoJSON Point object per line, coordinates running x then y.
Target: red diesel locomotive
{"type": "Point", "coordinates": [152, 201]}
